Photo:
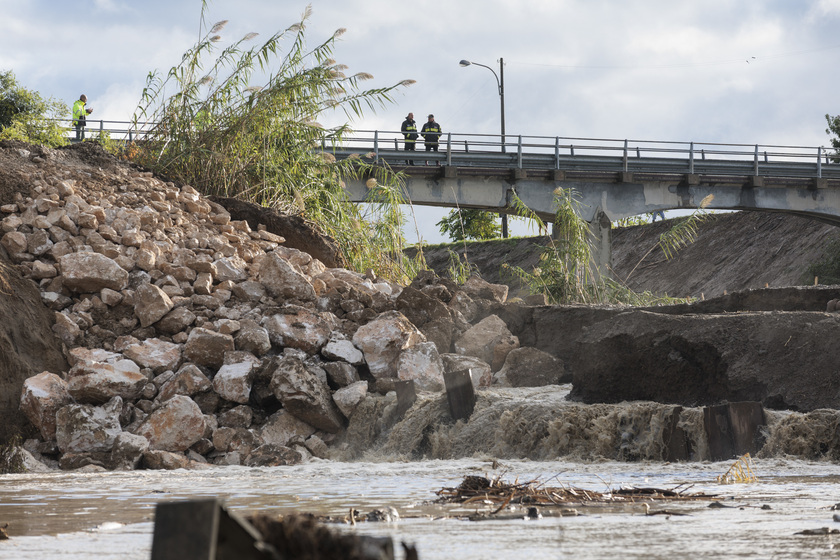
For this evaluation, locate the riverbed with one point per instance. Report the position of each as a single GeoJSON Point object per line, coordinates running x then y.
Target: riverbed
{"type": "Point", "coordinates": [110, 515]}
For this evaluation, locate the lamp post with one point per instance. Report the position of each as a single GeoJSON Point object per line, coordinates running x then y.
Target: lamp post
{"type": "Point", "coordinates": [500, 82]}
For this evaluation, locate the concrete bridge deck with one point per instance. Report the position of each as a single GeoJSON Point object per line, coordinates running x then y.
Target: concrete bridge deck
{"type": "Point", "coordinates": [617, 178]}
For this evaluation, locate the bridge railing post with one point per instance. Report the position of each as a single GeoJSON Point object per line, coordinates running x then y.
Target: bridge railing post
{"type": "Point", "coordinates": [519, 153]}
{"type": "Point", "coordinates": [556, 152]}
{"type": "Point", "coordinates": [376, 146]}
{"type": "Point", "coordinates": [755, 160]}
{"type": "Point", "coordinates": [691, 159]}
{"type": "Point", "coordinates": [819, 162]}
{"type": "Point", "coordinates": [448, 148]}
{"type": "Point", "coordinates": [625, 155]}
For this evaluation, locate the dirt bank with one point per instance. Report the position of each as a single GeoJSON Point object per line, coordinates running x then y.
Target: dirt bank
{"type": "Point", "coordinates": [733, 252]}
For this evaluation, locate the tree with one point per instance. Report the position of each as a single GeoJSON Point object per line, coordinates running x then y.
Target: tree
{"type": "Point", "coordinates": [26, 115]}
{"type": "Point", "coordinates": [834, 128]}
{"type": "Point", "coordinates": [468, 223]}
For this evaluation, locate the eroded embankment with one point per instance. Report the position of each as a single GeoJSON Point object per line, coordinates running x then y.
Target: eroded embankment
{"type": "Point", "coordinates": [541, 424]}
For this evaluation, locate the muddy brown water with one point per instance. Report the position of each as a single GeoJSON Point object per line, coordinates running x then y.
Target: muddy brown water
{"type": "Point", "coordinates": [65, 515]}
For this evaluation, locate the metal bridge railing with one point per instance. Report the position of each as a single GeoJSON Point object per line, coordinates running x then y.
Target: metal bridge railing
{"type": "Point", "coordinates": [599, 154]}
{"type": "Point", "coordinates": [121, 131]}
{"type": "Point", "coordinates": [558, 152]}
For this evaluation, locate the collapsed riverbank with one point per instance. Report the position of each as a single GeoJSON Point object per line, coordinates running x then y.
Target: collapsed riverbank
{"type": "Point", "coordinates": [155, 328]}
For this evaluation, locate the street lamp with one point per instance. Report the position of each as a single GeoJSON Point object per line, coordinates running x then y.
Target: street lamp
{"type": "Point", "coordinates": [500, 81]}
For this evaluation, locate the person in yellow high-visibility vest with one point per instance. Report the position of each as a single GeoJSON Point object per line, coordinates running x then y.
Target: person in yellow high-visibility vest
{"type": "Point", "coordinates": [80, 113]}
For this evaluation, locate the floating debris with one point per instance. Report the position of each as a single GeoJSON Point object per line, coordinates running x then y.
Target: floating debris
{"type": "Point", "coordinates": [3, 534]}
{"type": "Point", "coordinates": [819, 532]}
{"type": "Point", "coordinates": [740, 471]}
{"type": "Point", "coordinates": [479, 489]}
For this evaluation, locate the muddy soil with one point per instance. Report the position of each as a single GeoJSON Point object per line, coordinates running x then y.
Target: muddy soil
{"type": "Point", "coordinates": [733, 252]}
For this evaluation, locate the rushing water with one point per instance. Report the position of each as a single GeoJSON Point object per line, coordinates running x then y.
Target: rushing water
{"type": "Point", "coordinates": [65, 515]}
{"type": "Point", "coordinates": [110, 515]}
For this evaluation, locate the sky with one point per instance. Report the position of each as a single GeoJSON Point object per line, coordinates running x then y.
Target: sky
{"type": "Point", "coordinates": [729, 71]}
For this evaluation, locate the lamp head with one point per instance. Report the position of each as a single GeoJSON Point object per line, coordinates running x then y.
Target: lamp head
{"type": "Point", "coordinates": [465, 63]}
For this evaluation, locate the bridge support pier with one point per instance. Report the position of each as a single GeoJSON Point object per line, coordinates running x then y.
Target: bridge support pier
{"type": "Point", "coordinates": [600, 239]}
{"type": "Point", "coordinates": [600, 244]}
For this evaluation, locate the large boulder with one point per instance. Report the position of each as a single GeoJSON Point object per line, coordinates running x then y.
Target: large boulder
{"type": "Point", "coordinates": [489, 340]}
{"type": "Point", "coordinates": [298, 327]}
{"type": "Point", "coordinates": [96, 383]}
{"type": "Point", "coordinates": [155, 354]}
{"type": "Point", "coordinates": [233, 381]}
{"type": "Point", "coordinates": [282, 428]}
{"type": "Point", "coordinates": [127, 451]}
{"type": "Point", "coordinates": [283, 280]}
{"type": "Point", "coordinates": [175, 426]}
{"type": "Point", "coordinates": [478, 288]}
{"type": "Point", "coordinates": [188, 381]}
{"type": "Point", "coordinates": [304, 394]}
{"type": "Point", "coordinates": [88, 273]}
{"type": "Point", "coordinates": [207, 348]}
{"type": "Point", "coordinates": [422, 364]}
{"type": "Point", "coordinates": [83, 428]}
{"type": "Point", "coordinates": [480, 372]}
{"type": "Point", "coordinates": [531, 367]}
{"type": "Point", "coordinates": [40, 399]}
{"type": "Point", "coordinates": [383, 340]}
{"type": "Point", "coordinates": [151, 304]}
{"type": "Point", "coordinates": [348, 398]}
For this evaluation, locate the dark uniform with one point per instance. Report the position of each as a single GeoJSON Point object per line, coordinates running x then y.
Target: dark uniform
{"type": "Point", "coordinates": [409, 130]}
{"type": "Point", "coordinates": [431, 134]}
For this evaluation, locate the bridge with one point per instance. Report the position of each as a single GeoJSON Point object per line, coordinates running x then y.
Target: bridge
{"type": "Point", "coordinates": [613, 179]}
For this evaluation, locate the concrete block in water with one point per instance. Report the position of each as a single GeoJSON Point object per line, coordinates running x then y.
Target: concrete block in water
{"type": "Point", "coordinates": [406, 395]}
{"type": "Point", "coordinates": [733, 429]}
{"type": "Point", "coordinates": [677, 446]}
{"type": "Point", "coordinates": [203, 530]}
{"type": "Point", "coordinates": [460, 393]}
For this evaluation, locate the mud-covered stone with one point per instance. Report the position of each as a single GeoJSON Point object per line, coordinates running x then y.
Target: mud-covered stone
{"type": "Point", "coordinates": [298, 327]}
{"type": "Point", "coordinates": [271, 455]}
{"type": "Point", "coordinates": [175, 426]}
{"type": "Point", "coordinates": [205, 347]}
{"type": "Point", "coordinates": [127, 451]}
{"type": "Point", "coordinates": [83, 428]}
{"type": "Point", "coordinates": [282, 427]}
{"type": "Point", "coordinates": [422, 364]}
{"type": "Point", "coordinates": [91, 272]}
{"type": "Point", "coordinates": [530, 367]}
{"type": "Point", "coordinates": [489, 340]}
{"type": "Point", "coordinates": [304, 394]}
{"type": "Point", "coordinates": [383, 340]}
{"type": "Point", "coordinates": [42, 396]}
{"type": "Point", "coordinates": [348, 398]}
{"type": "Point", "coordinates": [97, 383]}
{"type": "Point", "coordinates": [233, 381]}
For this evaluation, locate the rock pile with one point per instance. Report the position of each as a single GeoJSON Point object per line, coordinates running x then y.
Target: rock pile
{"type": "Point", "coordinates": [193, 338]}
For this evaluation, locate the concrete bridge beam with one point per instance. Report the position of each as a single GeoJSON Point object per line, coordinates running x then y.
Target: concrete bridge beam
{"type": "Point", "coordinates": [607, 197]}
